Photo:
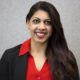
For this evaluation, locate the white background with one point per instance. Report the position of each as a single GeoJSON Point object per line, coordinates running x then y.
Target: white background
{"type": "Point", "coordinates": [13, 28]}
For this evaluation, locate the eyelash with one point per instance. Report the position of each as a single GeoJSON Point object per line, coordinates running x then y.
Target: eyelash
{"type": "Point", "coordinates": [46, 22]}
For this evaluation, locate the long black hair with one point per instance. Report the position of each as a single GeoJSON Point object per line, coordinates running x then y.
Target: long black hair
{"type": "Point", "coordinates": [63, 65]}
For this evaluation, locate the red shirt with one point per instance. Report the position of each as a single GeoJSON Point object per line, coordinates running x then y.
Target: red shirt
{"type": "Point", "coordinates": [32, 73]}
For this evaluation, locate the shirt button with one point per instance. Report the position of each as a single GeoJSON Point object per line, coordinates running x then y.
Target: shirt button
{"type": "Point", "coordinates": [39, 78]}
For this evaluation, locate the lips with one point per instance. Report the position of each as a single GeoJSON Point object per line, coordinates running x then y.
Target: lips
{"type": "Point", "coordinates": [40, 34]}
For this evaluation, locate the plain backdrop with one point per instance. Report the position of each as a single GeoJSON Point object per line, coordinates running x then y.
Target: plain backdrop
{"type": "Point", "coordinates": [13, 27]}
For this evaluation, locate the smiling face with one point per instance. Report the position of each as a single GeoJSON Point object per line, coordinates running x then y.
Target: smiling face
{"type": "Point", "coordinates": [40, 26]}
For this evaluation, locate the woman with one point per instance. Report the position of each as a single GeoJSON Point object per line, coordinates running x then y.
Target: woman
{"type": "Point", "coordinates": [46, 55]}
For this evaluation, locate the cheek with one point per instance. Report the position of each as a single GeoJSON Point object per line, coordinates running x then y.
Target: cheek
{"type": "Point", "coordinates": [50, 30]}
{"type": "Point", "coordinates": [31, 27]}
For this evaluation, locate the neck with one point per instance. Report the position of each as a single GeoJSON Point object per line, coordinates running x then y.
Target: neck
{"type": "Point", "coordinates": [38, 48]}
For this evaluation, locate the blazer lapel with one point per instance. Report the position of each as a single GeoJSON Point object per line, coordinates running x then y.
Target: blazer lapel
{"type": "Point", "coordinates": [21, 67]}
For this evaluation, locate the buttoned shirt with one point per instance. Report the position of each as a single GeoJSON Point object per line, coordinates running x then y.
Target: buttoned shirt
{"type": "Point", "coordinates": [32, 72]}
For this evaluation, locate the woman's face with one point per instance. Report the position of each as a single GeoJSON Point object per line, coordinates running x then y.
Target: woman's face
{"type": "Point", "coordinates": [40, 26]}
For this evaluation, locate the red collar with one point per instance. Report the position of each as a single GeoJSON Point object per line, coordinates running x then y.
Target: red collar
{"type": "Point", "coordinates": [25, 47]}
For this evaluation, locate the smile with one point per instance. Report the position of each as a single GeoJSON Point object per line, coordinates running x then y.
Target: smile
{"type": "Point", "coordinates": [40, 34]}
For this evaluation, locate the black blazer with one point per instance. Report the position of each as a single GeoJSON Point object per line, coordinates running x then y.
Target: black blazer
{"type": "Point", "coordinates": [13, 66]}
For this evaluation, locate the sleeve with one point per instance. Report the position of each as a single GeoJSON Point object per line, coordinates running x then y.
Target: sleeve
{"type": "Point", "coordinates": [4, 67]}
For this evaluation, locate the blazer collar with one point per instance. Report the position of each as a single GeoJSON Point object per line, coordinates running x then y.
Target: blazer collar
{"type": "Point", "coordinates": [22, 61]}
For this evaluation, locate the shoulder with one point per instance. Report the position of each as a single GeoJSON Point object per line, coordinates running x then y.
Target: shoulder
{"type": "Point", "coordinates": [72, 65]}
{"type": "Point", "coordinates": [11, 52]}
{"type": "Point", "coordinates": [13, 49]}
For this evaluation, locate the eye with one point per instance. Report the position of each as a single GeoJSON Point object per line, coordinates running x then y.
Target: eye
{"type": "Point", "coordinates": [47, 22]}
{"type": "Point", "coordinates": [36, 21]}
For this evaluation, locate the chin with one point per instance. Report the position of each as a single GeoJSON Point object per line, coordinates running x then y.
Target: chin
{"type": "Point", "coordinates": [41, 40]}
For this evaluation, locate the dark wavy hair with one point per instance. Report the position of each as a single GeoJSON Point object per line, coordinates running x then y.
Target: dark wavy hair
{"type": "Point", "coordinates": [63, 65]}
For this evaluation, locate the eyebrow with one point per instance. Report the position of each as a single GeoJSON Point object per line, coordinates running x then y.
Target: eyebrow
{"type": "Point", "coordinates": [44, 19]}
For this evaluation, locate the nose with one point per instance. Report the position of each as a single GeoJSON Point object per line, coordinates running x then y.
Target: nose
{"type": "Point", "coordinates": [42, 26]}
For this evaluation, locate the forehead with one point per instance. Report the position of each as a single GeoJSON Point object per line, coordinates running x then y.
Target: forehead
{"type": "Point", "coordinates": [41, 14]}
